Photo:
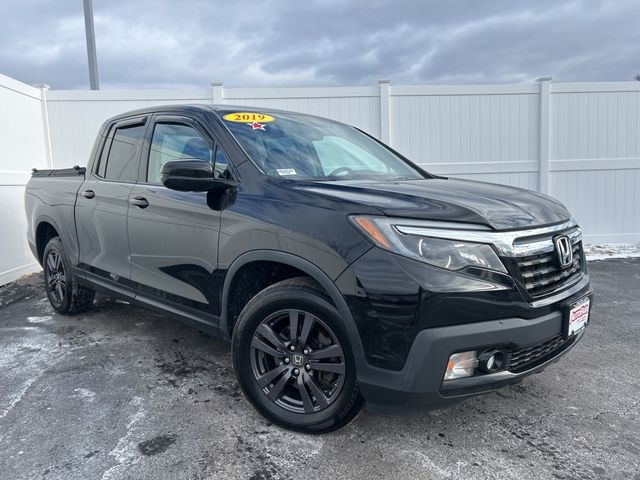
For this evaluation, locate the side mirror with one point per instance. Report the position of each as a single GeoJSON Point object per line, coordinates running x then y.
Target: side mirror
{"type": "Point", "coordinates": [192, 176]}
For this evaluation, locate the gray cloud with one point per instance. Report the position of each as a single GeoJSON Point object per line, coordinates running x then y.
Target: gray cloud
{"type": "Point", "coordinates": [161, 43]}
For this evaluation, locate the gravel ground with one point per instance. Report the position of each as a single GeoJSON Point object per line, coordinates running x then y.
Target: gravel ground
{"type": "Point", "coordinates": [120, 392]}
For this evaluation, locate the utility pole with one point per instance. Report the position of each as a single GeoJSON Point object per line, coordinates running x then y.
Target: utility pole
{"type": "Point", "coordinates": [91, 45]}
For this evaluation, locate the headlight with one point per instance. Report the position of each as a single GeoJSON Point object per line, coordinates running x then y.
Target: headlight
{"type": "Point", "coordinates": [439, 247]}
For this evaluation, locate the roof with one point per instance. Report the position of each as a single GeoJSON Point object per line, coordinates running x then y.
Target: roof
{"type": "Point", "coordinates": [200, 107]}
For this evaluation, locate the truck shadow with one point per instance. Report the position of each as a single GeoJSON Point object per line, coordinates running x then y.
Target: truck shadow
{"type": "Point", "coordinates": [189, 359]}
{"type": "Point", "coordinates": [122, 336]}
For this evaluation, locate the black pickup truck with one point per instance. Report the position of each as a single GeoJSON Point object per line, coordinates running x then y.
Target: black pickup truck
{"type": "Point", "coordinates": [342, 273]}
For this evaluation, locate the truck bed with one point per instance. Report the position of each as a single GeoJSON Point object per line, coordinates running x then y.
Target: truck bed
{"type": "Point", "coordinates": [59, 172]}
{"type": "Point", "coordinates": [50, 197]}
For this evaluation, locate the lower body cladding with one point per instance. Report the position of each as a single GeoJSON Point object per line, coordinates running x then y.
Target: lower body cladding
{"type": "Point", "coordinates": [420, 384]}
{"type": "Point", "coordinates": [495, 352]}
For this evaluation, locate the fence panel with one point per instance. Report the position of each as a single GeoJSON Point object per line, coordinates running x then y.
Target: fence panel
{"type": "Point", "coordinates": [577, 141]}
{"type": "Point", "coordinates": [358, 106]}
{"type": "Point", "coordinates": [595, 151]}
{"type": "Point", "coordinates": [478, 133]}
{"type": "Point", "coordinates": [22, 136]}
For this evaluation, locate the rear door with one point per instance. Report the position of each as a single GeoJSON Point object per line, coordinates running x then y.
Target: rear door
{"type": "Point", "coordinates": [174, 235]}
{"type": "Point", "coordinates": [103, 202]}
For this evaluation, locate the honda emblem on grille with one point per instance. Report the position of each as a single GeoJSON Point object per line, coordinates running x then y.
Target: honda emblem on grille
{"type": "Point", "coordinates": [564, 250]}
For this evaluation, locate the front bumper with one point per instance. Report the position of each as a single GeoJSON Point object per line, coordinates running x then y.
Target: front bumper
{"type": "Point", "coordinates": [420, 383]}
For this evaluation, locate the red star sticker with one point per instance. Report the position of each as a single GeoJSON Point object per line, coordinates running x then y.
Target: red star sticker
{"type": "Point", "coordinates": [256, 126]}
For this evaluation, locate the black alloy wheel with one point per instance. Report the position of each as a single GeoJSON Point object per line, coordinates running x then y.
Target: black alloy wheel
{"type": "Point", "coordinates": [56, 278]}
{"type": "Point", "coordinates": [293, 359]}
{"type": "Point", "coordinates": [65, 294]}
{"type": "Point", "coordinates": [297, 361]}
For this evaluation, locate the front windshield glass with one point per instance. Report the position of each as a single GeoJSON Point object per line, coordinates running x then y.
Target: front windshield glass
{"type": "Point", "coordinates": [303, 147]}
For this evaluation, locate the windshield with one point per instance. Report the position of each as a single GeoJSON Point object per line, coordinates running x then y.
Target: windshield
{"type": "Point", "coordinates": [310, 148]}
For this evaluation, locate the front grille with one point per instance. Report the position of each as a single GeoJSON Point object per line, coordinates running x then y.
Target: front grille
{"type": "Point", "coordinates": [540, 273]}
{"type": "Point", "coordinates": [528, 357]}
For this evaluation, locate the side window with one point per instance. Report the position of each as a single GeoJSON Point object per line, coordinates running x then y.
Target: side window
{"type": "Point", "coordinates": [221, 166]}
{"type": "Point", "coordinates": [121, 163]}
{"type": "Point", "coordinates": [102, 162]}
{"type": "Point", "coordinates": [173, 141]}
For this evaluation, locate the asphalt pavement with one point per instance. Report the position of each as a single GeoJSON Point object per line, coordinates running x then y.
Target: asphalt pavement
{"type": "Point", "coordinates": [121, 392]}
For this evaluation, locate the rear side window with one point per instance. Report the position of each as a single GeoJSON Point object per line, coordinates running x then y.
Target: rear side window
{"type": "Point", "coordinates": [102, 164]}
{"type": "Point", "coordinates": [121, 162]}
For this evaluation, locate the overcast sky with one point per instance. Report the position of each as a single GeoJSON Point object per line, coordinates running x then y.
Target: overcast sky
{"type": "Point", "coordinates": [161, 43]}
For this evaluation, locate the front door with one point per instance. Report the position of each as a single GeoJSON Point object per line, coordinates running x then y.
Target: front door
{"type": "Point", "coordinates": [174, 235]}
{"type": "Point", "coordinates": [103, 201]}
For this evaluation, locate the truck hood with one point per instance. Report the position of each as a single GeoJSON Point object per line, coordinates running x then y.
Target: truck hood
{"type": "Point", "coordinates": [496, 206]}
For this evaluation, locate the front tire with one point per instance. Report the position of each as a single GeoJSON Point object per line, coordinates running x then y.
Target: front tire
{"type": "Point", "coordinates": [293, 360]}
{"type": "Point", "coordinates": [65, 294]}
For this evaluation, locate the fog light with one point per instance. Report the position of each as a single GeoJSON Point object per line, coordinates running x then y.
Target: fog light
{"type": "Point", "coordinates": [461, 365]}
{"type": "Point", "coordinates": [491, 361]}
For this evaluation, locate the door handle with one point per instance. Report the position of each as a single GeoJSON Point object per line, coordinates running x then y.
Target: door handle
{"type": "Point", "coordinates": [139, 202]}
{"type": "Point", "coordinates": [88, 194]}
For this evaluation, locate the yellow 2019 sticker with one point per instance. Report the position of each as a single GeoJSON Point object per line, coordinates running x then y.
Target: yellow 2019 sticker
{"type": "Point", "coordinates": [248, 117]}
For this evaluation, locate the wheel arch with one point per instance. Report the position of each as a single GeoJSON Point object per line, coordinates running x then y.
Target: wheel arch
{"type": "Point", "coordinates": [307, 268]}
{"type": "Point", "coordinates": [43, 226]}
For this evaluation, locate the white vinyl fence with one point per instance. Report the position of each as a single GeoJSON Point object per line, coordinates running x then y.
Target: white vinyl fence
{"type": "Point", "coordinates": [22, 146]}
{"type": "Point", "coordinates": [576, 141]}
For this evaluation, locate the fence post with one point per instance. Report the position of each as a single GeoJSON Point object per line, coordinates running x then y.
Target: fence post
{"type": "Point", "coordinates": [385, 111]}
{"type": "Point", "coordinates": [217, 93]}
{"type": "Point", "coordinates": [545, 131]}
{"type": "Point", "coordinates": [45, 122]}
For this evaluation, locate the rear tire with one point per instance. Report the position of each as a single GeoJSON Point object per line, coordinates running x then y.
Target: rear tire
{"type": "Point", "coordinates": [293, 360]}
{"type": "Point", "coordinates": [65, 294]}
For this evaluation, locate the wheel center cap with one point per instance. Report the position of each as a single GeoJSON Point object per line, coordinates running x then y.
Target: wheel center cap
{"type": "Point", "coordinates": [297, 360]}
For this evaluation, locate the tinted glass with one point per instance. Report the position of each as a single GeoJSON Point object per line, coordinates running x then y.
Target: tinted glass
{"type": "Point", "coordinates": [304, 147]}
{"type": "Point", "coordinates": [102, 164]}
{"type": "Point", "coordinates": [337, 153]}
{"type": "Point", "coordinates": [221, 167]}
{"type": "Point", "coordinates": [172, 141]}
{"type": "Point", "coordinates": [121, 163]}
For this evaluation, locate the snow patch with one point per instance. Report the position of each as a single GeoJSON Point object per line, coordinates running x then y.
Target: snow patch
{"type": "Point", "coordinates": [16, 397]}
{"type": "Point", "coordinates": [427, 463]}
{"type": "Point", "coordinates": [45, 318]}
{"type": "Point", "coordinates": [615, 250]}
{"type": "Point", "coordinates": [125, 450]}
{"type": "Point", "coordinates": [85, 394]}
{"type": "Point", "coordinates": [23, 361]}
